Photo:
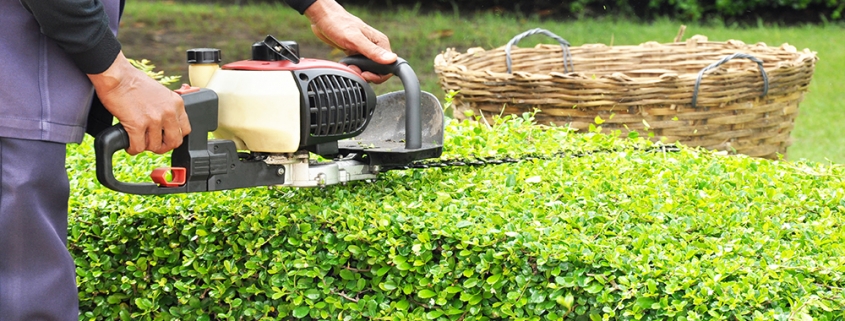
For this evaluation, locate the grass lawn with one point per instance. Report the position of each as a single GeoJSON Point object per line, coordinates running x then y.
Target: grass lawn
{"type": "Point", "coordinates": [162, 31]}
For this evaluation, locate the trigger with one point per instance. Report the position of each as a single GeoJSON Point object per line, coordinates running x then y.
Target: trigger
{"type": "Point", "coordinates": [159, 176]}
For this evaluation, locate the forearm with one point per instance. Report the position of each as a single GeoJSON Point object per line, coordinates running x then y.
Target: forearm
{"type": "Point", "coordinates": [80, 28]}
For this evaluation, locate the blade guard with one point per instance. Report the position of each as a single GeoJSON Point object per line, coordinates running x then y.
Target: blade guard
{"type": "Point", "coordinates": [384, 142]}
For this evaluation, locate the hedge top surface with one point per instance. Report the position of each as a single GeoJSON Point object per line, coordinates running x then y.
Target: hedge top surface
{"type": "Point", "coordinates": [621, 234]}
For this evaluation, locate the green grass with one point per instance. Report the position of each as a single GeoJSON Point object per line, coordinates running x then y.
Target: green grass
{"type": "Point", "coordinates": [161, 31]}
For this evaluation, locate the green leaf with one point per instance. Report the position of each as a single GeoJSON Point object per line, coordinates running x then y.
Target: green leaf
{"type": "Point", "coordinates": [355, 250]}
{"type": "Point", "coordinates": [144, 304]}
{"type": "Point", "coordinates": [404, 266]}
{"type": "Point", "coordinates": [476, 299]}
{"type": "Point", "coordinates": [453, 289]}
{"type": "Point", "coordinates": [301, 312]}
{"type": "Point", "coordinates": [644, 302]}
{"type": "Point", "coordinates": [388, 285]}
{"type": "Point", "coordinates": [117, 298]}
{"type": "Point", "coordinates": [403, 305]}
{"type": "Point", "coordinates": [494, 278]}
{"type": "Point", "coordinates": [510, 180]}
{"type": "Point", "coordinates": [594, 288]}
{"type": "Point", "coordinates": [312, 294]}
{"type": "Point", "coordinates": [431, 315]}
{"type": "Point", "coordinates": [382, 271]}
{"type": "Point", "coordinates": [425, 294]}
{"type": "Point", "coordinates": [347, 275]}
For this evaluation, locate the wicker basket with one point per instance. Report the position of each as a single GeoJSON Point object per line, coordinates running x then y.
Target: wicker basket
{"type": "Point", "coordinates": [693, 92]}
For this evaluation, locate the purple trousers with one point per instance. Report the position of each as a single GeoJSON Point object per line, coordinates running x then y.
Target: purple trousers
{"type": "Point", "coordinates": [37, 274]}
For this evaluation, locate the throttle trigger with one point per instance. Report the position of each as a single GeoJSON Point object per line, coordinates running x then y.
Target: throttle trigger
{"type": "Point", "coordinates": [159, 176]}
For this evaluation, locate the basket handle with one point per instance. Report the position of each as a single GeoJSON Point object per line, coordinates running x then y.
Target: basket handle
{"type": "Point", "coordinates": [724, 60]}
{"type": "Point", "coordinates": [567, 57]}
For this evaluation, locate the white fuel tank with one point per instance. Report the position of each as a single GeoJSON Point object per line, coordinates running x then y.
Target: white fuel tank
{"type": "Point", "coordinates": [258, 110]}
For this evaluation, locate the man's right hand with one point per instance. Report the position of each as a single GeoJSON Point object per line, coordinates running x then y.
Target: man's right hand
{"type": "Point", "coordinates": [153, 116]}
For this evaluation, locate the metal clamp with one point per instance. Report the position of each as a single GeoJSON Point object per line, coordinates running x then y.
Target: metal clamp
{"type": "Point", "coordinates": [724, 60]}
{"type": "Point", "coordinates": [567, 56]}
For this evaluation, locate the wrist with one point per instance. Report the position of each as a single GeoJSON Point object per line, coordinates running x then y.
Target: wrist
{"type": "Point", "coordinates": [112, 76]}
{"type": "Point", "coordinates": [322, 8]}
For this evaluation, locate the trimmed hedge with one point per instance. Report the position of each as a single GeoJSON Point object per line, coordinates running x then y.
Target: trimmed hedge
{"type": "Point", "coordinates": [626, 234]}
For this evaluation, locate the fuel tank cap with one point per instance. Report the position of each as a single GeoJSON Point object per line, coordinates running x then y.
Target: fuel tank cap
{"type": "Point", "coordinates": [204, 56]}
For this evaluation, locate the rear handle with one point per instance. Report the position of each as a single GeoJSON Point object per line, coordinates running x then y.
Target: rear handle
{"type": "Point", "coordinates": [107, 143]}
{"type": "Point", "coordinates": [198, 165]}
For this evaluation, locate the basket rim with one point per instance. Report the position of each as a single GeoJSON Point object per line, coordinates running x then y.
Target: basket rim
{"type": "Point", "coordinates": [455, 61]}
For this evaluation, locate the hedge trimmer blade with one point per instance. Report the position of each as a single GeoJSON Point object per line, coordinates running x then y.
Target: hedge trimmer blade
{"type": "Point", "coordinates": [476, 162]}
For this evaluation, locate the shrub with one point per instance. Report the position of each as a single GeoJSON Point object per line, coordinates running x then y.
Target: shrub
{"type": "Point", "coordinates": [620, 234]}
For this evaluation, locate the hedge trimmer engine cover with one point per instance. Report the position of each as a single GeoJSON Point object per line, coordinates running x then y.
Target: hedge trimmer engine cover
{"type": "Point", "coordinates": [270, 114]}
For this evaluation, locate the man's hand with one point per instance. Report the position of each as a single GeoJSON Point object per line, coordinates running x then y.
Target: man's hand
{"type": "Point", "coordinates": [335, 26]}
{"type": "Point", "coordinates": [153, 116]}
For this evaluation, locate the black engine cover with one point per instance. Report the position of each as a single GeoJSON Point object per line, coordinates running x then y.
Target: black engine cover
{"type": "Point", "coordinates": [335, 105]}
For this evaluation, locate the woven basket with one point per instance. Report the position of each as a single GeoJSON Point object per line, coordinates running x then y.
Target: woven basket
{"type": "Point", "coordinates": [694, 92]}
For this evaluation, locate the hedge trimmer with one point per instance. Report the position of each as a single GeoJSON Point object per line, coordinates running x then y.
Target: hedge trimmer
{"type": "Point", "coordinates": [271, 113]}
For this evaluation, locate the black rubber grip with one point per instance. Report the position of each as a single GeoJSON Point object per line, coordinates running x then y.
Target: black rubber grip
{"type": "Point", "coordinates": [109, 142]}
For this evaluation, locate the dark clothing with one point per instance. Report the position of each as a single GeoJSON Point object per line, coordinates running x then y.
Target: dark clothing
{"type": "Point", "coordinates": [300, 5]}
{"type": "Point", "coordinates": [80, 28]}
{"type": "Point", "coordinates": [37, 274]}
{"type": "Point", "coordinates": [44, 99]}
{"type": "Point", "coordinates": [44, 95]}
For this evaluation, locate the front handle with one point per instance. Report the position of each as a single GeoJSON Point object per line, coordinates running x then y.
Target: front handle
{"type": "Point", "coordinates": [109, 142]}
{"type": "Point", "coordinates": [400, 68]}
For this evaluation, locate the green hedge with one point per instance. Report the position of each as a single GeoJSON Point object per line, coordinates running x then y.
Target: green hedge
{"type": "Point", "coordinates": [626, 234]}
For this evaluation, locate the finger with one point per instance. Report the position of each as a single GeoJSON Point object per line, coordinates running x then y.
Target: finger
{"type": "Point", "coordinates": [376, 53]}
{"type": "Point", "coordinates": [364, 45]}
{"type": "Point", "coordinates": [172, 137]}
{"type": "Point", "coordinates": [376, 37]}
{"type": "Point", "coordinates": [137, 140]}
{"type": "Point", "coordinates": [375, 78]}
{"type": "Point", "coordinates": [154, 138]}
{"type": "Point", "coordinates": [185, 125]}
{"type": "Point", "coordinates": [378, 46]}
{"type": "Point", "coordinates": [356, 69]}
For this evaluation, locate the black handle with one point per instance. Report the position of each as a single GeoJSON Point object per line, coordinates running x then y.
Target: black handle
{"type": "Point", "coordinates": [400, 68]}
{"type": "Point", "coordinates": [209, 165]}
{"type": "Point", "coordinates": [110, 141]}
{"type": "Point", "coordinates": [201, 107]}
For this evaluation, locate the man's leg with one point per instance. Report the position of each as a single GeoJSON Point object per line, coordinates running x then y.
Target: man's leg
{"type": "Point", "coordinates": [37, 274]}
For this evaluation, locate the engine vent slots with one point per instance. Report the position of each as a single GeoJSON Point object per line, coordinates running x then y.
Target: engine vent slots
{"type": "Point", "coordinates": [338, 105]}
